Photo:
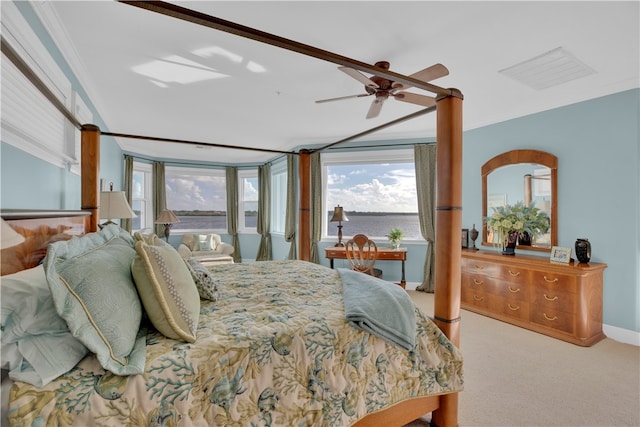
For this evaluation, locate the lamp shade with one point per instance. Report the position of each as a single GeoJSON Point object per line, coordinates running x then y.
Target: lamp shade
{"type": "Point", "coordinates": [9, 236]}
{"type": "Point", "coordinates": [338, 214]}
{"type": "Point", "coordinates": [167, 217]}
{"type": "Point", "coordinates": [114, 205]}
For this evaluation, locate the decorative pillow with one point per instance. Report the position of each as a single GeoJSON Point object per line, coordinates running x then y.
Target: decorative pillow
{"type": "Point", "coordinates": [37, 346]}
{"type": "Point", "coordinates": [167, 290]}
{"type": "Point", "coordinates": [150, 239]}
{"type": "Point", "coordinates": [90, 280]}
{"type": "Point", "coordinates": [205, 242]}
{"type": "Point", "coordinates": [205, 283]}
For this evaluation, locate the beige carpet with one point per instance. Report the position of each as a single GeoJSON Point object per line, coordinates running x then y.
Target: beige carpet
{"type": "Point", "coordinates": [515, 377]}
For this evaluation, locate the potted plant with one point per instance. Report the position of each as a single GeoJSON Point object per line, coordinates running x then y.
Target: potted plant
{"type": "Point", "coordinates": [507, 224]}
{"type": "Point", "coordinates": [395, 235]}
{"type": "Point", "coordinates": [535, 222]}
{"type": "Point", "coordinates": [515, 222]}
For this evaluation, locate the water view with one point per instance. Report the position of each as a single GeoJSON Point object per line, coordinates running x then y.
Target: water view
{"type": "Point", "coordinates": [371, 224]}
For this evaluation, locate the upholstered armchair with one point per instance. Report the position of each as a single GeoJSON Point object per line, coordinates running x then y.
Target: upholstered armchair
{"type": "Point", "coordinates": [206, 248]}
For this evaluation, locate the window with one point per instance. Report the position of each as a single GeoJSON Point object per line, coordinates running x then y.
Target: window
{"type": "Point", "coordinates": [377, 191]}
{"type": "Point", "coordinates": [142, 199]}
{"type": "Point", "coordinates": [248, 200]}
{"type": "Point", "coordinates": [198, 197]}
{"type": "Point", "coordinates": [54, 138]}
{"type": "Point", "coordinates": [278, 197]}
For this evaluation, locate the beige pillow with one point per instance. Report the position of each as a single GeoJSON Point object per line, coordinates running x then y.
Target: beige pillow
{"type": "Point", "coordinates": [167, 290]}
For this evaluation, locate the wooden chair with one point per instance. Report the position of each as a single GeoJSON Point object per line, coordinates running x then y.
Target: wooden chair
{"type": "Point", "coordinates": [362, 254]}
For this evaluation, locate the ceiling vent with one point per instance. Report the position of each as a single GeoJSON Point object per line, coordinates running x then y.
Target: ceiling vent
{"type": "Point", "coordinates": [549, 69]}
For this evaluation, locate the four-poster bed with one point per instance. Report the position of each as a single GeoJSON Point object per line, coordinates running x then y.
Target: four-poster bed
{"type": "Point", "coordinates": [443, 404]}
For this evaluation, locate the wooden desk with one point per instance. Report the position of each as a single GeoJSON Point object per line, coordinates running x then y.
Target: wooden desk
{"type": "Point", "coordinates": [384, 254]}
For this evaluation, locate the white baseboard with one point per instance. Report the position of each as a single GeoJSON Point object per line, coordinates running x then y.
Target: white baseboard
{"type": "Point", "coordinates": [626, 336]}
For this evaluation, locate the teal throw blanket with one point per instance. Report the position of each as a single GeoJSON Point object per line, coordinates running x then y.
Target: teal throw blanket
{"type": "Point", "coordinates": [379, 307]}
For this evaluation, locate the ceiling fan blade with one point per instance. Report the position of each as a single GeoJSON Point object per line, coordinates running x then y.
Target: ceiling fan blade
{"type": "Point", "coordinates": [343, 97]}
{"type": "Point", "coordinates": [359, 76]}
{"type": "Point", "coordinates": [430, 73]}
{"type": "Point", "coordinates": [414, 98]}
{"type": "Point", "coordinates": [375, 108]}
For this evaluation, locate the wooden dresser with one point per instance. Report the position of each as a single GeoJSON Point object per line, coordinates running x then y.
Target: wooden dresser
{"type": "Point", "coordinates": [563, 301]}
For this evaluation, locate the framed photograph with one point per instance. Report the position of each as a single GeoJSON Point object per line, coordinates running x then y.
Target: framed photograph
{"type": "Point", "coordinates": [465, 237]}
{"type": "Point", "coordinates": [560, 255]}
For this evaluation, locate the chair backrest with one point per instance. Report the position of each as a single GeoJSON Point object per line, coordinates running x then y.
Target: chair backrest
{"type": "Point", "coordinates": [362, 253]}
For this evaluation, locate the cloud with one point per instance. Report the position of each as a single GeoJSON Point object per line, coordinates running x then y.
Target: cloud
{"type": "Point", "coordinates": [193, 192]}
{"type": "Point", "coordinates": [393, 190]}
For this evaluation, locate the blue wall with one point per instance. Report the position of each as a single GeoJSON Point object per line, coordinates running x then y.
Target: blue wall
{"type": "Point", "coordinates": [596, 143]}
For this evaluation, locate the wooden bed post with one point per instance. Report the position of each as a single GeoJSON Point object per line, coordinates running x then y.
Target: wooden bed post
{"type": "Point", "coordinates": [304, 219]}
{"type": "Point", "coordinates": [89, 174]}
{"type": "Point", "coordinates": [447, 244]}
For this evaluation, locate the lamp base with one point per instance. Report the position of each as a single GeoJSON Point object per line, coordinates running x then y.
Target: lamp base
{"type": "Point", "coordinates": [339, 245]}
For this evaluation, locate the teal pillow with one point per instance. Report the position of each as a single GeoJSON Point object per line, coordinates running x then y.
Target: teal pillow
{"type": "Point", "coordinates": [93, 291]}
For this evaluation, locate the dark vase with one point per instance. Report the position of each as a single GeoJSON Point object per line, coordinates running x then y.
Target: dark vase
{"type": "Point", "coordinates": [474, 235]}
{"type": "Point", "coordinates": [583, 250]}
{"type": "Point", "coordinates": [524, 239]}
{"type": "Point", "coordinates": [510, 243]}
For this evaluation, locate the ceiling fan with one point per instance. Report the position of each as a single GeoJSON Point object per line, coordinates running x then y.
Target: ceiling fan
{"type": "Point", "coordinates": [384, 88]}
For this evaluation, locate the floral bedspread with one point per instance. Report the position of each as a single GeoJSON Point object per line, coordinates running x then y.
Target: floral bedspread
{"type": "Point", "coordinates": [273, 349]}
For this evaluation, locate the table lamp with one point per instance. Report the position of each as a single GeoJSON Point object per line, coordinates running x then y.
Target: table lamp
{"type": "Point", "coordinates": [168, 218]}
{"type": "Point", "coordinates": [339, 216]}
{"type": "Point", "coordinates": [114, 205]}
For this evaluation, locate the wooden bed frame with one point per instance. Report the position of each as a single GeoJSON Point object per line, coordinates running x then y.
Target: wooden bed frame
{"type": "Point", "coordinates": [43, 229]}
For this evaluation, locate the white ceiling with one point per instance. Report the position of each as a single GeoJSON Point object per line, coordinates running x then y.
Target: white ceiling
{"type": "Point", "coordinates": [275, 109]}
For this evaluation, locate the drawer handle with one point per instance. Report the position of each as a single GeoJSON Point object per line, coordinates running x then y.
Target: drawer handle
{"type": "Point", "coordinates": [477, 298]}
{"type": "Point", "coordinates": [549, 318]}
{"type": "Point", "coordinates": [514, 290]}
{"type": "Point", "coordinates": [478, 282]}
{"type": "Point", "coordinates": [513, 308]}
{"type": "Point", "coordinates": [516, 274]}
{"type": "Point", "coordinates": [550, 281]}
{"type": "Point", "coordinates": [550, 299]}
{"type": "Point", "coordinates": [479, 267]}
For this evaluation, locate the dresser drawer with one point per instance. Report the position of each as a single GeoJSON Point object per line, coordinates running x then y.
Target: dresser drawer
{"type": "Point", "coordinates": [554, 281]}
{"type": "Point", "coordinates": [480, 267]}
{"type": "Point", "coordinates": [556, 299]}
{"type": "Point", "coordinates": [475, 298]}
{"type": "Point", "coordinates": [556, 319]}
{"type": "Point", "coordinates": [513, 274]}
{"type": "Point", "coordinates": [515, 308]}
{"type": "Point", "coordinates": [511, 290]}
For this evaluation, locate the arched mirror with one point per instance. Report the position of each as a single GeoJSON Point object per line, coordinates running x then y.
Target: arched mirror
{"type": "Point", "coordinates": [528, 178]}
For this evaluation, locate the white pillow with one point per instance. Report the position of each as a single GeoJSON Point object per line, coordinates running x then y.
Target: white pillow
{"type": "Point", "coordinates": [205, 242]}
{"type": "Point", "coordinates": [37, 346]}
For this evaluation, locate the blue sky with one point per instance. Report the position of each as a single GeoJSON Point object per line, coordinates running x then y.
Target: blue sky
{"type": "Point", "coordinates": [364, 188]}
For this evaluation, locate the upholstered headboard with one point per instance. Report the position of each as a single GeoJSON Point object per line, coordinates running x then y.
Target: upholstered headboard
{"type": "Point", "coordinates": [39, 228]}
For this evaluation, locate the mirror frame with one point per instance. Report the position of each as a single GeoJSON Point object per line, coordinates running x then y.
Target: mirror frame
{"type": "Point", "coordinates": [514, 157]}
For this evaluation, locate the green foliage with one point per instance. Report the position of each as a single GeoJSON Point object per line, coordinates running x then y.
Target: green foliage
{"type": "Point", "coordinates": [518, 217]}
{"type": "Point", "coordinates": [395, 234]}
